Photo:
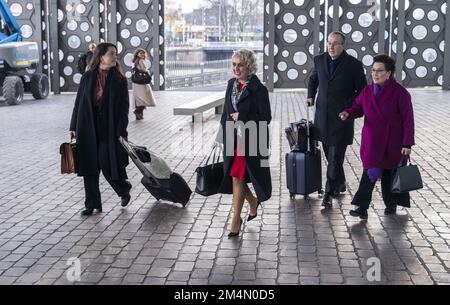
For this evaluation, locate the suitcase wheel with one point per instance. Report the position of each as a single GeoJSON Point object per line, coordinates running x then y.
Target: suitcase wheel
{"type": "Point", "coordinates": [305, 197]}
{"type": "Point", "coordinates": [292, 196]}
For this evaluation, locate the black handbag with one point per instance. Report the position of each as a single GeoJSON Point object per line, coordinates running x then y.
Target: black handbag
{"type": "Point", "coordinates": [406, 178]}
{"type": "Point", "coordinates": [210, 176]}
{"type": "Point", "coordinates": [140, 77]}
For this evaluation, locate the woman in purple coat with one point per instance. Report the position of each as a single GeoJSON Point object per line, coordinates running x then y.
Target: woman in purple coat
{"type": "Point", "coordinates": [387, 135]}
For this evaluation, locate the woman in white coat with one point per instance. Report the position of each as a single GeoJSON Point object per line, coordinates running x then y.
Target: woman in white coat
{"type": "Point", "coordinates": [142, 94]}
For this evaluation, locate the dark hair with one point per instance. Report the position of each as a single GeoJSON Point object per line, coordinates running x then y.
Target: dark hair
{"type": "Point", "coordinates": [340, 34]}
{"type": "Point", "coordinates": [388, 61]}
{"type": "Point", "coordinates": [100, 51]}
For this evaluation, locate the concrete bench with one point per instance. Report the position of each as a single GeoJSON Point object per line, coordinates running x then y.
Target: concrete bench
{"type": "Point", "coordinates": [200, 105]}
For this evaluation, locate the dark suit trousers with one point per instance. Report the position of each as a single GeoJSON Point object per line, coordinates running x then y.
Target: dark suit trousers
{"type": "Point", "coordinates": [335, 155]}
{"type": "Point", "coordinates": [91, 183]}
{"type": "Point", "coordinates": [363, 196]}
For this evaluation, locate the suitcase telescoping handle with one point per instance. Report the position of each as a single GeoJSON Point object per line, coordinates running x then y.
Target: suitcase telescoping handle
{"type": "Point", "coordinates": [307, 129]}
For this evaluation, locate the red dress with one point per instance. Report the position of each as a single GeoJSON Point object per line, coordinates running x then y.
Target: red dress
{"type": "Point", "coordinates": [238, 168]}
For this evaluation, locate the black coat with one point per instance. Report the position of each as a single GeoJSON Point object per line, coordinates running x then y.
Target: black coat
{"type": "Point", "coordinates": [253, 105]}
{"type": "Point", "coordinates": [336, 93]}
{"type": "Point", "coordinates": [115, 107]}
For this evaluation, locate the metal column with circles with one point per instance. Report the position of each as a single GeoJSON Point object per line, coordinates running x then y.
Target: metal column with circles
{"type": "Point", "coordinates": [417, 28]}
{"type": "Point", "coordinates": [75, 27]}
{"type": "Point", "coordinates": [295, 42]}
{"type": "Point", "coordinates": [140, 24]}
{"type": "Point", "coordinates": [364, 25]}
{"type": "Point", "coordinates": [74, 24]}
{"type": "Point", "coordinates": [424, 41]}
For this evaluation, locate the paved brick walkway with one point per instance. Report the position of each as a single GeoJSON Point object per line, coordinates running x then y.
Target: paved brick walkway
{"type": "Point", "coordinates": [150, 242]}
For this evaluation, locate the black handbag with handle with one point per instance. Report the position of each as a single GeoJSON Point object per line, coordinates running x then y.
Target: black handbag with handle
{"type": "Point", "coordinates": [406, 178]}
{"type": "Point", "coordinates": [140, 77]}
{"type": "Point", "coordinates": [210, 176]}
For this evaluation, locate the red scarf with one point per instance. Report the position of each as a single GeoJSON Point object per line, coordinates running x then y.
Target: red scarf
{"type": "Point", "coordinates": [100, 85]}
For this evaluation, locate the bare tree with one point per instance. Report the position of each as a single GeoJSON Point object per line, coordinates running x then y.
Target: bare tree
{"type": "Point", "coordinates": [246, 14]}
{"type": "Point", "coordinates": [224, 8]}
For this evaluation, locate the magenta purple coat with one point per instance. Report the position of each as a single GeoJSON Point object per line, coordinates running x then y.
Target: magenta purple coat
{"type": "Point", "coordinates": [388, 124]}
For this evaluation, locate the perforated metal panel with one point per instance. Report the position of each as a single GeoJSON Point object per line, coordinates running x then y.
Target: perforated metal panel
{"type": "Point", "coordinates": [361, 22]}
{"type": "Point", "coordinates": [294, 41]}
{"type": "Point", "coordinates": [140, 25]}
{"type": "Point", "coordinates": [77, 23]}
{"type": "Point", "coordinates": [371, 27]}
{"type": "Point", "coordinates": [424, 38]}
{"type": "Point", "coordinates": [77, 27]}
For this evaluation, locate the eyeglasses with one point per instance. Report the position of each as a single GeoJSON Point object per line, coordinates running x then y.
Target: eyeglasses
{"type": "Point", "coordinates": [378, 71]}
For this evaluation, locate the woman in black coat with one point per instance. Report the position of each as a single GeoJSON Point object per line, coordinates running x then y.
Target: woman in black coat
{"type": "Point", "coordinates": [245, 121]}
{"type": "Point", "coordinates": [99, 123]}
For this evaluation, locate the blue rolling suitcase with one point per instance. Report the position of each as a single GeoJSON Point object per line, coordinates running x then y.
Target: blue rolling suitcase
{"type": "Point", "coordinates": [304, 169]}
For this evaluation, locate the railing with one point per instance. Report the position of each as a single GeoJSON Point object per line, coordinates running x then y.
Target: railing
{"type": "Point", "coordinates": [182, 68]}
{"type": "Point", "coordinates": [182, 74]}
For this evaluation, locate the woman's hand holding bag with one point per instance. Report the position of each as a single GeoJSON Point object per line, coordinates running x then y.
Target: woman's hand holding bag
{"type": "Point", "coordinates": [210, 176]}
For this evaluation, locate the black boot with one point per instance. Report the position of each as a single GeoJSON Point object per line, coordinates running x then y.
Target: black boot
{"type": "Point", "coordinates": [390, 209]}
{"type": "Point", "coordinates": [327, 201]}
{"type": "Point", "coordinates": [125, 200]}
{"type": "Point", "coordinates": [359, 212]}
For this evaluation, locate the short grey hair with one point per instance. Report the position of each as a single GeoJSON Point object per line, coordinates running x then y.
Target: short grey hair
{"type": "Point", "coordinates": [249, 57]}
{"type": "Point", "coordinates": [339, 34]}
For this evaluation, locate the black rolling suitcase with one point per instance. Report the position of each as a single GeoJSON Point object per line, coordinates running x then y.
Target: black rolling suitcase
{"type": "Point", "coordinates": [158, 178]}
{"type": "Point", "coordinates": [304, 168]}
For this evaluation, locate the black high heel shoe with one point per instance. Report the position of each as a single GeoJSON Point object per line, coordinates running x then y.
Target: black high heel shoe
{"type": "Point", "coordinates": [250, 217]}
{"type": "Point", "coordinates": [233, 234]}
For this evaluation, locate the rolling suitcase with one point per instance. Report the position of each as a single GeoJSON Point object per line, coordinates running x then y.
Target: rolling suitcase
{"type": "Point", "coordinates": [304, 169]}
{"type": "Point", "coordinates": [158, 178]}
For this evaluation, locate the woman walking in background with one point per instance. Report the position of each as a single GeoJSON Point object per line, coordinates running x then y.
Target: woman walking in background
{"type": "Point", "coordinates": [142, 94]}
{"type": "Point", "coordinates": [387, 135]}
{"type": "Point", "coordinates": [246, 101]}
{"type": "Point", "coordinates": [99, 123]}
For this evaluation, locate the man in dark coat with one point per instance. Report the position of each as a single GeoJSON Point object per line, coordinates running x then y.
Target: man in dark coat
{"type": "Point", "coordinates": [339, 78]}
{"type": "Point", "coordinates": [97, 129]}
{"type": "Point", "coordinates": [85, 59]}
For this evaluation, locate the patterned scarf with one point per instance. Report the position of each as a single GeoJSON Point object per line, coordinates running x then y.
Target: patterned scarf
{"type": "Point", "coordinates": [236, 94]}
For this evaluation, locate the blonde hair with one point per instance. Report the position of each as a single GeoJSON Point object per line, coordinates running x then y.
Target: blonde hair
{"type": "Point", "coordinates": [249, 57]}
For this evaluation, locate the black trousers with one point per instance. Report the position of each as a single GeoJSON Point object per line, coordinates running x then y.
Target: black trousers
{"type": "Point", "coordinates": [91, 183]}
{"type": "Point", "coordinates": [363, 196]}
{"type": "Point", "coordinates": [335, 155]}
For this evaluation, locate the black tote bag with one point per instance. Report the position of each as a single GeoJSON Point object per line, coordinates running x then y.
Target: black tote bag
{"type": "Point", "coordinates": [210, 176]}
{"type": "Point", "coordinates": [140, 77]}
{"type": "Point", "coordinates": [406, 178]}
